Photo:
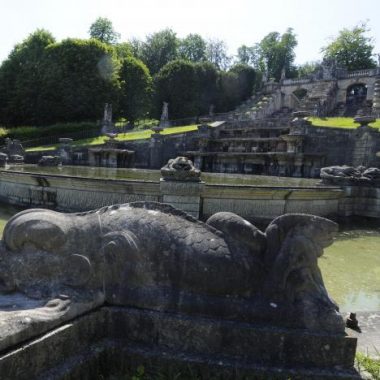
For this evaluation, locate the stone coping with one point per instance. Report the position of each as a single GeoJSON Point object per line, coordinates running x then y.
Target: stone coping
{"type": "Point", "coordinates": [208, 184]}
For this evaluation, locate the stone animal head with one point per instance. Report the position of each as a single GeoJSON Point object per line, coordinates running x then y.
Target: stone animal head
{"type": "Point", "coordinates": [43, 254]}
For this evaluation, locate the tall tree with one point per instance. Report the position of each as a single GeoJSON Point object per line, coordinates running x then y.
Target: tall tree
{"type": "Point", "coordinates": [216, 53]}
{"type": "Point", "coordinates": [136, 89]}
{"type": "Point", "coordinates": [192, 48]}
{"type": "Point", "coordinates": [276, 52]}
{"type": "Point", "coordinates": [352, 48]}
{"type": "Point", "coordinates": [21, 80]}
{"type": "Point", "coordinates": [248, 55]}
{"type": "Point", "coordinates": [102, 30]}
{"type": "Point", "coordinates": [159, 49]}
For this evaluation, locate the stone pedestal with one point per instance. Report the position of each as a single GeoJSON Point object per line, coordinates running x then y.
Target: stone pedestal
{"type": "Point", "coordinates": [185, 196]}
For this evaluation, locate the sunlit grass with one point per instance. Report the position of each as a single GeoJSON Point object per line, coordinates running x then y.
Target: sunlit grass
{"type": "Point", "coordinates": [338, 122]}
{"type": "Point", "coordinates": [130, 136]}
{"type": "Point", "coordinates": [371, 366]}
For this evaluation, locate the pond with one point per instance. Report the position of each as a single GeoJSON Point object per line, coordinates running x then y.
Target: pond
{"type": "Point", "coordinates": [154, 175]}
{"type": "Point", "coordinates": [350, 267]}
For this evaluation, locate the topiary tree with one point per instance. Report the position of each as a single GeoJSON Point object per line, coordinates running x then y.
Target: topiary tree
{"type": "Point", "coordinates": [246, 77]}
{"type": "Point", "coordinates": [177, 84]}
{"type": "Point", "coordinates": [21, 80]}
{"type": "Point", "coordinates": [135, 89]}
{"type": "Point", "coordinates": [79, 77]}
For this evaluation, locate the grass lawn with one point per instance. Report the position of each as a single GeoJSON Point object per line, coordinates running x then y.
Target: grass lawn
{"type": "Point", "coordinates": [130, 136]}
{"type": "Point", "coordinates": [369, 365]}
{"type": "Point", "coordinates": [338, 122]}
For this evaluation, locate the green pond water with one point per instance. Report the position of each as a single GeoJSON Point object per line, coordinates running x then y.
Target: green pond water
{"type": "Point", "coordinates": [154, 175]}
{"type": "Point", "coordinates": [350, 267]}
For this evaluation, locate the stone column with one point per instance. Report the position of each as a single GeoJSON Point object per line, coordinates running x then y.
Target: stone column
{"type": "Point", "coordinates": [156, 149]}
{"type": "Point", "coordinates": [376, 99]}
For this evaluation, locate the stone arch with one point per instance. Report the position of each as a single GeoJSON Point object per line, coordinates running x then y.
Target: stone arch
{"type": "Point", "coordinates": [356, 93]}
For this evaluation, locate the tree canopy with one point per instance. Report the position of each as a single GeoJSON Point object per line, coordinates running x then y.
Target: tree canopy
{"type": "Point", "coordinates": [352, 48]}
{"type": "Point", "coordinates": [136, 89]}
{"type": "Point", "coordinates": [192, 48]}
{"type": "Point", "coordinates": [276, 52]}
{"type": "Point", "coordinates": [102, 30]}
{"type": "Point", "coordinates": [159, 49]}
{"type": "Point", "coordinates": [21, 80]}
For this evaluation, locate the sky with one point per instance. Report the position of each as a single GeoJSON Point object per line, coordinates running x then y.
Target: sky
{"type": "Point", "coordinates": [237, 22]}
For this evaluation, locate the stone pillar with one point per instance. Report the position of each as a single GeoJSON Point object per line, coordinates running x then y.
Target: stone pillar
{"type": "Point", "coordinates": [156, 149]}
{"type": "Point", "coordinates": [181, 186]}
{"type": "Point", "coordinates": [376, 99]}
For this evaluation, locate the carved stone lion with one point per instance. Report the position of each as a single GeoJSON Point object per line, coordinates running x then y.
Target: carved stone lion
{"type": "Point", "coordinates": [152, 256]}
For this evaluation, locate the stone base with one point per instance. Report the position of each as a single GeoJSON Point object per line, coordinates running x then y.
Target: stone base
{"type": "Point", "coordinates": [116, 341]}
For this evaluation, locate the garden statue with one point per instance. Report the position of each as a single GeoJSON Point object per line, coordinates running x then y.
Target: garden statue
{"type": "Point", "coordinates": [54, 266]}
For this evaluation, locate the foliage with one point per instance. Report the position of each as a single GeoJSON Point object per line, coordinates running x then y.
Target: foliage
{"type": "Point", "coordinates": [368, 364]}
{"type": "Point", "coordinates": [21, 77]}
{"type": "Point", "coordinates": [207, 78]}
{"type": "Point", "coordinates": [159, 49]}
{"type": "Point", "coordinates": [216, 53]}
{"type": "Point", "coordinates": [228, 91]}
{"type": "Point", "coordinates": [276, 52]}
{"type": "Point", "coordinates": [246, 77]}
{"type": "Point", "coordinates": [338, 122]}
{"type": "Point", "coordinates": [31, 133]}
{"type": "Point", "coordinates": [123, 50]}
{"type": "Point", "coordinates": [136, 89]}
{"type": "Point", "coordinates": [79, 77]}
{"type": "Point", "coordinates": [176, 83]}
{"type": "Point", "coordinates": [248, 55]}
{"type": "Point", "coordinates": [192, 48]}
{"type": "Point", "coordinates": [102, 30]}
{"type": "Point", "coordinates": [352, 48]}
{"type": "Point", "coordinates": [307, 69]}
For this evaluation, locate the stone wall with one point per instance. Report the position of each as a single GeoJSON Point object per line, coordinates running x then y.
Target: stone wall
{"type": "Point", "coordinates": [201, 200]}
{"type": "Point", "coordinates": [344, 146]}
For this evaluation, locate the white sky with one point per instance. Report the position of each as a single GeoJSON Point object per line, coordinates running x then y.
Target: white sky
{"type": "Point", "coordinates": [237, 22]}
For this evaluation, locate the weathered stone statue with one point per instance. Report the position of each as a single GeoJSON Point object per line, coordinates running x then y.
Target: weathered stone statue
{"type": "Point", "coordinates": [107, 125]}
{"type": "Point", "coordinates": [164, 120]}
{"type": "Point", "coordinates": [349, 175]}
{"type": "Point", "coordinates": [152, 256]}
{"type": "Point", "coordinates": [50, 161]}
{"type": "Point", "coordinates": [180, 169]}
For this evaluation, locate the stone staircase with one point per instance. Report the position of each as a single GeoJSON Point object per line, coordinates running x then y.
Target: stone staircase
{"type": "Point", "coordinates": [321, 99]}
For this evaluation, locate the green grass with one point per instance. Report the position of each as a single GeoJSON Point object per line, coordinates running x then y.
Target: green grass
{"type": "Point", "coordinates": [338, 122]}
{"type": "Point", "coordinates": [364, 363]}
{"type": "Point", "coordinates": [131, 136]}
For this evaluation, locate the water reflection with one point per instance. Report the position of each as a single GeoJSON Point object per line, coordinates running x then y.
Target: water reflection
{"type": "Point", "coordinates": [351, 269]}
